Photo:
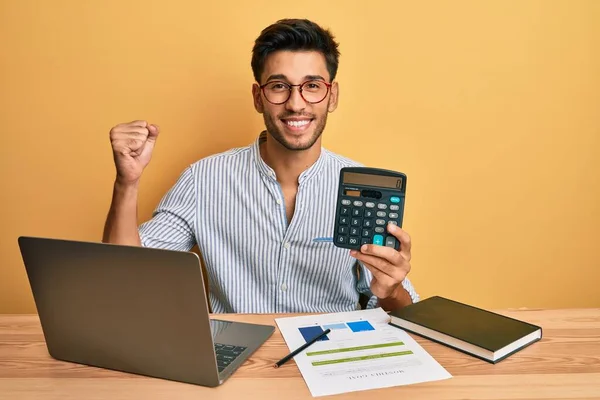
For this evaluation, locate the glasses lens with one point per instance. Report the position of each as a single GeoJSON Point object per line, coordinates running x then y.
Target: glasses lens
{"type": "Point", "coordinates": [277, 92]}
{"type": "Point", "coordinates": [314, 91]}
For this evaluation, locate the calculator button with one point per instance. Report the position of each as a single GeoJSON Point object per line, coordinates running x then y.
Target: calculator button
{"type": "Point", "coordinates": [345, 211]}
{"type": "Point", "coordinates": [344, 220]}
{"type": "Point", "coordinates": [394, 207]}
{"type": "Point", "coordinates": [354, 231]}
{"type": "Point", "coordinates": [380, 221]}
{"type": "Point", "coordinates": [357, 212]}
{"type": "Point", "coordinates": [393, 215]}
{"type": "Point", "coordinates": [395, 199]}
{"type": "Point", "coordinates": [369, 214]}
{"type": "Point", "coordinates": [367, 223]}
{"type": "Point", "coordinates": [342, 239]}
{"type": "Point", "coordinates": [369, 204]}
{"type": "Point", "coordinates": [357, 203]}
{"type": "Point", "coordinates": [343, 230]}
{"type": "Point", "coordinates": [366, 233]}
{"type": "Point", "coordinates": [390, 241]}
{"type": "Point", "coordinates": [353, 240]}
{"type": "Point", "coordinates": [364, 241]}
{"type": "Point", "coordinates": [346, 202]}
{"type": "Point", "coordinates": [378, 239]}
{"type": "Point", "coordinates": [356, 222]}
{"type": "Point", "coordinates": [382, 206]}
{"type": "Point", "coordinates": [381, 214]}
{"type": "Point", "coordinates": [379, 229]}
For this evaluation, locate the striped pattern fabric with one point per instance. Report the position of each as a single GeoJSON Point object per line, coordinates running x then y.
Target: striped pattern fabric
{"type": "Point", "coordinates": [232, 206]}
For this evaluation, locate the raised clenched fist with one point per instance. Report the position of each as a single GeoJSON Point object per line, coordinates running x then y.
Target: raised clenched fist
{"type": "Point", "coordinates": [132, 145]}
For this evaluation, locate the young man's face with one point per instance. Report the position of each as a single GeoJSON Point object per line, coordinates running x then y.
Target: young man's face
{"type": "Point", "coordinates": [295, 124]}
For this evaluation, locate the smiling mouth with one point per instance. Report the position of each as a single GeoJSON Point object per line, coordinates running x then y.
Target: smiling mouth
{"type": "Point", "coordinates": [297, 124]}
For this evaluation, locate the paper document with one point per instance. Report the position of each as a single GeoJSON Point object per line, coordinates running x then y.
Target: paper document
{"type": "Point", "coordinates": [361, 352]}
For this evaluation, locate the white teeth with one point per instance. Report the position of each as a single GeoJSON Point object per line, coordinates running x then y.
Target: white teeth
{"type": "Point", "coordinates": [297, 124]}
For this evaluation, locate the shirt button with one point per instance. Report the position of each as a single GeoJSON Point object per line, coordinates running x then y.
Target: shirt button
{"type": "Point", "coordinates": [279, 201]}
{"type": "Point", "coordinates": [287, 245]}
{"type": "Point", "coordinates": [283, 287]}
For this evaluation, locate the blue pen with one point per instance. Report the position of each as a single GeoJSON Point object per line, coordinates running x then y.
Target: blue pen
{"type": "Point", "coordinates": [323, 240]}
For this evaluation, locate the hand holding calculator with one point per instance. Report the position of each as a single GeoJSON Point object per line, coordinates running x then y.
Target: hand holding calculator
{"type": "Point", "coordinates": [368, 200]}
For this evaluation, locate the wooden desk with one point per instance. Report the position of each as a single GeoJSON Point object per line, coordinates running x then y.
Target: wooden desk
{"type": "Point", "coordinates": [565, 364]}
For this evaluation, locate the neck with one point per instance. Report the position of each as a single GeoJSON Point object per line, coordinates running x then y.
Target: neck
{"type": "Point", "coordinates": [288, 164]}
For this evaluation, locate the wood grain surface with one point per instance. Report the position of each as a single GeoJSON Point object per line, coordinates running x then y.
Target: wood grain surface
{"type": "Point", "coordinates": [565, 364]}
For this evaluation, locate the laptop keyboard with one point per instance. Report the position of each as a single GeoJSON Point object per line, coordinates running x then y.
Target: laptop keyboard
{"type": "Point", "coordinates": [226, 354]}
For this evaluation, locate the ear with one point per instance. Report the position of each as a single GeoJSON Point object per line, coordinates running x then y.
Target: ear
{"type": "Point", "coordinates": [258, 104]}
{"type": "Point", "coordinates": [333, 100]}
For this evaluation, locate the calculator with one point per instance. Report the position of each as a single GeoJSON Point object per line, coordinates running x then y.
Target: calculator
{"type": "Point", "coordinates": [368, 200]}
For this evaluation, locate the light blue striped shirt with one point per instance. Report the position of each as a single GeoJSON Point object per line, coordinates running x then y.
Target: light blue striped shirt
{"type": "Point", "coordinates": [232, 206]}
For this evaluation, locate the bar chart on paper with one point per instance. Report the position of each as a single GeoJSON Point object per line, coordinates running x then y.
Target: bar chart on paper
{"type": "Point", "coordinates": [362, 351]}
{"type": "Point", "coordinates": [338, 329]}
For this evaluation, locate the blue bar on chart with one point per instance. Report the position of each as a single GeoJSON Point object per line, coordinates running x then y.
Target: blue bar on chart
{"type": "Point", "coordinates": [360, 326]}
{"type": "Point", "coordinates": [309, 332]}
{"type": "Point", "coordinates": [340, 325]}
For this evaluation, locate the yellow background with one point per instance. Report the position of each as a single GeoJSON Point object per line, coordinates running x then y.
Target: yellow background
{"type": "Point", "coordinates": [491, 108]}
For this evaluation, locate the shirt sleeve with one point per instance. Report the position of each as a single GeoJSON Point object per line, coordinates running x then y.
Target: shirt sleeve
{"type": "Point", "coordinates": [363, 286]}
{"type": "Point", "coordinates": [173, 220]}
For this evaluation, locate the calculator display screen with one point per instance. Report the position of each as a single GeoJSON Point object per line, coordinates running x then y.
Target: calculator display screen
{"type": "Point", "coordinates": [373, 180]}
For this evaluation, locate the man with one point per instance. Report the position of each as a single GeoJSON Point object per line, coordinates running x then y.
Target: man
{"type": "Point", "coordinates": [254, 211]}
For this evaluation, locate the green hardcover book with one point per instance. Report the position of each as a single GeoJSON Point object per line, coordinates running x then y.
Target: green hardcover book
{"type": "Point", "coordinates": [483, 334]}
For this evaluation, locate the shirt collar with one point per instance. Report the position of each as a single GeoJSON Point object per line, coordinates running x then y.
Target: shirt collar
{"type": "Point", "coordinates": [267, 171]}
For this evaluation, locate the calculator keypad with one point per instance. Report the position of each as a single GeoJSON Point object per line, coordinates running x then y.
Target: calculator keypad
{"type": "Point", "coordinates": [365, 222]}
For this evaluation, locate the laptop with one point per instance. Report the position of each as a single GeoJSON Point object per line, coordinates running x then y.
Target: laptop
{"type": "Point", "coordinates": [133, 309]}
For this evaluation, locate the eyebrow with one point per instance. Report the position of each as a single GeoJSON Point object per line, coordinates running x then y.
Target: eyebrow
{"type": "Point", "coordinates": [284, 78]}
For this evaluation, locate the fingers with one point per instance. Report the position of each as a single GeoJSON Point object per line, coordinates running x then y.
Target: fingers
{"type": "Point", "coordinates": [133, 126]}
{"type": "Point", "coordinates": [127, 132]}
{"type": "Point", "coordinates": [382, 285]}
{"type": "Point", "coordinates": [136, 126]}
{"type": "Point", "coordinates": [388, 254]}
{"type": "Point", "coordinates": [388, 261]}
{"type": "Point", "coordinates": [381, 265]}
{"type": "Point", "coordinates": [404, 239]}
{"type": "Point", "coordinates": [128, 142]}
{"type": "Point", "coordinates": [140, 123]}
{"type": "Point", "coordinates": [402, 236]}
{"type": "Point", "coordinates": [131, 136]}
{"type": "Point", "coordinates": [381, 278]}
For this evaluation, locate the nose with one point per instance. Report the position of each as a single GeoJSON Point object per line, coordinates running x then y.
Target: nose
{"type": "Point", "coordinates": [295, 103]}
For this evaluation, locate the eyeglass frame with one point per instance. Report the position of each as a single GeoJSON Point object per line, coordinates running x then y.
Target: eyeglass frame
{"type": "Point", "coordinates": [291, 87]}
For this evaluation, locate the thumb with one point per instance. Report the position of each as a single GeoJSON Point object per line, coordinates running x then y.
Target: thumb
{"type": "Point", "coordinates": [153, 131]}
{"type": "Point", "coordinates": [150, 142]}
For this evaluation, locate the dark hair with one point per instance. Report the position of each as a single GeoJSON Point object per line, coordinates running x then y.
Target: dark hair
{"type": "Point", "coordinates": [294, 35]}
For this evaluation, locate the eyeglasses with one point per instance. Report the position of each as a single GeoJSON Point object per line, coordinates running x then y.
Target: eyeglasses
{"type": "Point", "coordinates": [278, 92]}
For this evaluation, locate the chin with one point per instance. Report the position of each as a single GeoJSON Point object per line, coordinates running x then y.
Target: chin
{"type": "Point", "coordinates": [292, 143]}
{"type": "Point", "coordinates": [291, 139]}
{"type": "Point", "coordinates": [298, 146]}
